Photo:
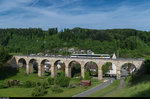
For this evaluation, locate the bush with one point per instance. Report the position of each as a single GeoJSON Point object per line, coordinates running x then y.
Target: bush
{"type": "Point", "coordinates": [39, 91]}
{"type": "Point", "coordinates": [56, 89]}
{"type": "Point", "coordinates": [20, 84]}
{"type": "Point", "coordinates": [26, 75]}
{"type": "Point", "coordinates": [47, 73]}
{"type": "Point", "coordinates": [45, 85]}
{"type": "Point", "coordinates": [1, 86]}
{"type": "Point", "coordinates": [5, 85]}
{"type": "Point", "coordinates": [50, 81]}
{"type": "Point", "coordinates": [80, 78]}
{"type": "Point", "coordinates": [87, 76]}
{"type": "Point", "coordinates": [62, 80]}
{"type": "Point", "coordinates": [77, 75]}
{"type": "Point", "coordinates": [33, 84]}
{"type": "Point", "coordinates": [105, 67]}
{"type": "Point", "coordinates": [29, 84]}
{"type": "Point", "coordinates": [38, 83]}
{"type": "Point", "coordinates": [134, 79]}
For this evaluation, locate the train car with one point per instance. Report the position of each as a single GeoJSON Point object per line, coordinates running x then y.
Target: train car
{"type": "Point", "coordinates": [90, 56]}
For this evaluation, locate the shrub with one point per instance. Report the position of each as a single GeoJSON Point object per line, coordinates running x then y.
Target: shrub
{"type": "Point", "coordinates": [1, 86]}
{"type": "Point", "coordinates": [33, 84]}
{"type": "Point", "coordinates": [25, 74]}
{"type": "Point", "coordinates": [132, 80]}
{"type": "Point", "coordinates": [45, 85]}
{"type": "Point", "coordinates": [62, 80]}
{"type": "Point", "coordinates": [80, 78]}
{"type": "Point", "coordinates": [29, 84]}
{"type": "Point", "coordinates": [50, 81]}
{"type": "Point", "coordinates": [56, 89]}
{"type": "Point", "coordinates": [38, 84]}
{"type": "Point", "coordinates": [20, 84]}
{"type": "Point", "coordinates": [39, 91]}
{"type": "Point", "coordinates": [105, 67]}
{"type": "Point", "coordinates": [47, 73]}
{"type": "Point", "coordinates": [35, 92]}
{"type": "Point", "coordinates": [5, 85]}
{"type": "Point", "coordinates": [77, 75]}
{"type": "Point", "coordinates": [87, 76]}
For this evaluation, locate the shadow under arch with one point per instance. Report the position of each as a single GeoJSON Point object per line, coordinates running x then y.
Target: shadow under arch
{"type": "Point", "coordinates": [45, 67]}
{"type": "Point", "coordinates": [59, 67]}
{"type": "Point", "coordinates": [127, 69]}
{"type": "Point", "coordinates": [33, 66]}
{"type": "Point", "coordinates": [22, 63]}
{"type": "Point", "coordinates": [92, 68]}
{"type": "Point", "coordinates": [74, 69]}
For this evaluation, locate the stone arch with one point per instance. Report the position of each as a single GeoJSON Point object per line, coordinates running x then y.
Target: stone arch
{"type": "Point", "coordinates": [45, 66]}
{"type": "Point", "coordinates": [59, 66]}
{"type": "Point", "coordinates": [74, 68]}
{"type": "Point", "coordinates": [127, 68]}
{"type": "Point", "coordinates": [33, 66]}
{"type": "Point", "coordinates": [91, 67]}
{"type": "Point", "coordinates": [22, 63]}
{"type": "Point", "coordinates": [112, 69]}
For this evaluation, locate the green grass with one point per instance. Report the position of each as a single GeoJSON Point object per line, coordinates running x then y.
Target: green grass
{"type": "Point", "coordinates": [26, 92]}
{"type": "Point", "coordinates": [16, 92]}
{"type": "Point", "coordinates": [71, 92]}
{"type": "Point", "coordinates": [106, 90]}
{"type": "Point", "coordinates": [140, 88]}
{"type": "Point", "coordinates": [22, 76]}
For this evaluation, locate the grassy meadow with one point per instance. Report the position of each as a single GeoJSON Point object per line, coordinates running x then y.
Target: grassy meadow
{"type": "Point", "coordinates": [138, 87]}
{"type": "Point", "coordinates": [106, 90]}
{"type": "Point", "coordinates": [21, 75]}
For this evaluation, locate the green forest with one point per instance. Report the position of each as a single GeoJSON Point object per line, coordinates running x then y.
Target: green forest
{"type": "Point", "coordinates": [126, 43]}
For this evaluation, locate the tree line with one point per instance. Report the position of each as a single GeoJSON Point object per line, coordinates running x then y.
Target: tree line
{"type": "Point", "coordinates": [124, 42]}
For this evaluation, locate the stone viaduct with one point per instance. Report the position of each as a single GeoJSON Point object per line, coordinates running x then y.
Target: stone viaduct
{"type": "Point", "coordinates": [82, 61]}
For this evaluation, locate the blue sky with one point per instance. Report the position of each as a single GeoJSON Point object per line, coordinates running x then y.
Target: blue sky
{"type": "Point", "coordinates": [93, 14]}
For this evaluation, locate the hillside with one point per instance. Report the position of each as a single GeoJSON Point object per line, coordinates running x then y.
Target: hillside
{"type": "Point", "coordinates": [135, 87]}
{"type": "Point", "coordinates": [123, 42]}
